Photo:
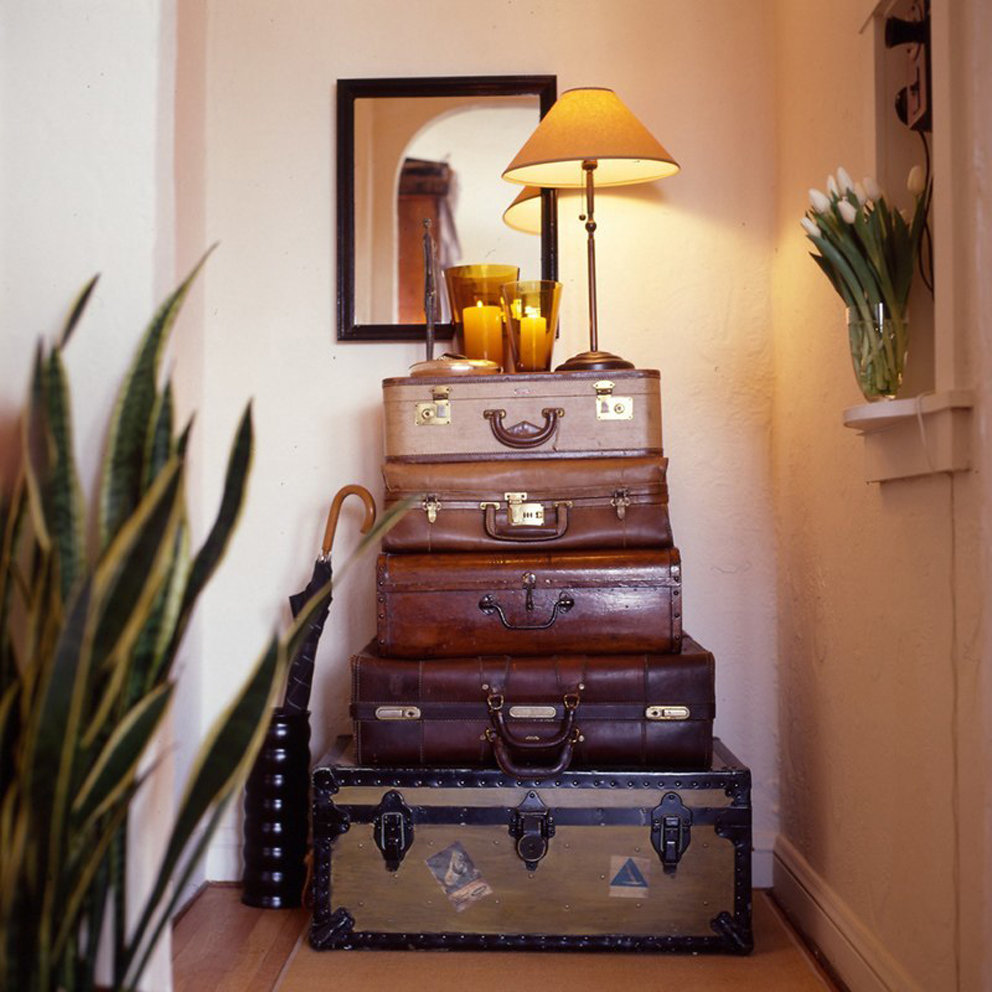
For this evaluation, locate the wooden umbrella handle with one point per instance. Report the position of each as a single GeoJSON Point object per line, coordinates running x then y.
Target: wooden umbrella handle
{"type": "Point", "coordinates": [332, 517]}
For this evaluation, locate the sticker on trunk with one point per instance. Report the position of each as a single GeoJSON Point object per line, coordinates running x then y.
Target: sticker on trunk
{"type": "Point", "coordinates": [456, 873]}
{"type": "Point", "coordinates": [629, 877]}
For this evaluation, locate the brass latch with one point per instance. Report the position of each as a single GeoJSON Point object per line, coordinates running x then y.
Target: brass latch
{"type": "Point", "coordinates": [437, 412]}
{"type": "Point", "coordinates": [432, 506]}
{"type": "Point", "coordinates": [620, 502]}
{"type": "Point", "coordinates": [610, 407]}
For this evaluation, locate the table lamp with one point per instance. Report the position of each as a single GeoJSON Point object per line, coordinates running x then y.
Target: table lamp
{"type": "Point", "coordinates": [588, 138]}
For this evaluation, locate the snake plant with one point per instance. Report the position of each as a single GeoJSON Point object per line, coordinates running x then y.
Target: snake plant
{"type": "Point", "coordinates": [88, 638]}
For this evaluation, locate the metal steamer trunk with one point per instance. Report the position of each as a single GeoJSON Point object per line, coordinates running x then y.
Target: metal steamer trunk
{"type": "Point", "coordinates": [408, 858]}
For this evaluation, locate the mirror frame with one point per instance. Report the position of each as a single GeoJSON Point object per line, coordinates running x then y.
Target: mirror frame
{"type": "Point", "coordinates": [544, 87]}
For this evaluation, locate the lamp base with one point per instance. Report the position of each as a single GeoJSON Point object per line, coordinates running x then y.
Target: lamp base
{"type": "Point", "coordinates": [593, 361]}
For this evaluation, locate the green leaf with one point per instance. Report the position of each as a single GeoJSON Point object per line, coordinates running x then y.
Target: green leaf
{"type": "Point", "coordinates": [77, 311]}
{"type": "Point", "coordinates": [123, 470]}
{"type": "Point", "coordinates": [221, 765]}
{"type": "Point", "coordinates": [208, 557]}
{"type": "Point", "coordinates": [115, 766]}
{"type": "Point", "coordinates": [63, 499]}
{"type": "Point", "coordinates": [159, 443]}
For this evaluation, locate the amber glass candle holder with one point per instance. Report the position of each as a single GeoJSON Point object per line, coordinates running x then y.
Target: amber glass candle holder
{"type": "Point", "coordinates": [476, 309]}
{"type": "Point", "coordinates": [530, 309]}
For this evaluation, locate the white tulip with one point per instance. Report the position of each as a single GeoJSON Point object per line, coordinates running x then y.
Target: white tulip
{"type": "Point", "coordinates": [810, 227]}
{"type": "Point", "coordinates": [872, 188]}
{"type": "Point", "coordinates": [916, 183]}
{"type": "Point", "coordinates": [832, 186]}
{"type": "Point", "coordinates": [860, 193]}
{"type": "Point", "coordinates": [819, 201]}
{"type": "Point", "coordinates": [847, 211]}
{"type": "Point", "coordinates": [844, 179]}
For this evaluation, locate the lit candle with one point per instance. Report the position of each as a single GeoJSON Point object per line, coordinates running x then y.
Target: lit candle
{"type": "Point", "coordinates": [483, 327]}
{"type": "Point", "coordinates": [533, 335]}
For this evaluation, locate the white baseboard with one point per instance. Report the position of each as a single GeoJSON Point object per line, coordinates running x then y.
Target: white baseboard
{"type": "Point", "coordinates": [855, 953]}
{"type": "Point", "coordinates": [762, 876]}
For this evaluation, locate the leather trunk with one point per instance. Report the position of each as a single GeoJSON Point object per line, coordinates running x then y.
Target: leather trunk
{"type": "Point", "coordinates": [535, 415]}
{"type": "Point", "coordinates": [529, 603]}
{"type": "Point", "coordinates": [535, 715]}
{"type": "Point", "coordinates": [567, 504]}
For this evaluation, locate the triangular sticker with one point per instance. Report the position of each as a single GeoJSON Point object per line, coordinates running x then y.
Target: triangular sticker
{"type": "Point", "coordinates": [629, 876]}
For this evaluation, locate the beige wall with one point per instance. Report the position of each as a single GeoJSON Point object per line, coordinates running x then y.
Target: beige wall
{"type": "Point", "coordinates": [684, 269]}
{"type": "Point", "coordinates": [880, 587]}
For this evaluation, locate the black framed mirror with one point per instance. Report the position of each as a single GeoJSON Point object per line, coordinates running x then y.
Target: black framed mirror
{"type": "Point", "coordinates": [433, 146]}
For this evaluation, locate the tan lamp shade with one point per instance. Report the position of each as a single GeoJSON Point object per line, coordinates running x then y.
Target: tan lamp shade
{"type": "Point", "coordinates": [524, 213]}
{"type": "Point", "coordinates": [589, 125]}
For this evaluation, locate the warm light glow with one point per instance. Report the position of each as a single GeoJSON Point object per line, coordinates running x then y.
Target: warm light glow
{"type": "Point", "coordinates": [483, 332]}
{"type": "Point", "coordinates": [524, 213]}
{"type": "Point", "coordinates": [590, 124]}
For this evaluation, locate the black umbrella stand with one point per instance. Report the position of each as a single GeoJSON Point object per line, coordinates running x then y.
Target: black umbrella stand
{"type": "Point", "coordinates": [277, 793]}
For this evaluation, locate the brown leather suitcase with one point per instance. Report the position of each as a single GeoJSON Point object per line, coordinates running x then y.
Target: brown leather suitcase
{"type": "Point", "coordinates": [528, 603]}
{"type": "Point", "coordinates": [567, 504]}
{"type": "Point", "coordinates": [535, 415]}
{"type": "Point", "coordinates": [535, 716]}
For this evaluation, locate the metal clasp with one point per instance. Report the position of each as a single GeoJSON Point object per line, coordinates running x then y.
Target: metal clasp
{"type": "Point", "coordinates": [620, 502]}
{"type": "Point", "coordinates": [392, 829]}
{"type": "Point", "coordinates": [397, 712]}
{"type": "Point", "coordinates": [667, 712]}
{"type": "Point", "coordinates": [437, 412]}
{"type": "Point", "coordinates": [432, 506]}
{"type": "Point", "coordinates": [532, 825]}
{"type": "Point", "coordinates": [520, 513]}
{"type": "Point", "coordinates": [671, 823]}
{"type": "Point", "coordinates": [610, 407]}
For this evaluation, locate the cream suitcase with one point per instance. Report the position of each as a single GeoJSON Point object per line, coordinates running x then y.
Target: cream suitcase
{"type": "Point", "coordinates": [540, 415]}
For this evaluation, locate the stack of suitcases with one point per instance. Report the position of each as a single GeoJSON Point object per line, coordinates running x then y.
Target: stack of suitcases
{"type": "Point", "coordinates": [533, 760]}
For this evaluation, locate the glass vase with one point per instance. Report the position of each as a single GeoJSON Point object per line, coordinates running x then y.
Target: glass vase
{"type": "Point", "coordinates": [879, 342]}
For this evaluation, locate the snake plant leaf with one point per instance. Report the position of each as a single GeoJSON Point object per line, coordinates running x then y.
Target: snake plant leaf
{"type": "Point", "coordinates": [221, 765]}
{"type": "Point", "coordinates": [232, 499]}
{"type": "Point", "coordinates": [62, 496]}
{"type": "Point", "coordinates": [77, 311]}
{"type": "Point", "coordinates": [114, 768]}
{"type": "Point", "coordinates": [158, 444]}
{"type": "Point", "coordinates": [127, 582]}
{"type": "Point", "coordinates": [120, 482]}
{"type": "Point", "coordinates": [35, 444]}
{"type": "Point", "coordinates": [123, 569]}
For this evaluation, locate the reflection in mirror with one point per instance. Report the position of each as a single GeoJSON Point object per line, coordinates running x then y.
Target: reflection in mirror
{"type": "Point", "coordinates": [415, 149]}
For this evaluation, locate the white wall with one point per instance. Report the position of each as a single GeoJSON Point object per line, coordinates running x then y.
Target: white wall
{"type": "Point", "coordinates": [85, 187]}
{"type": "Point", "coordinates": [684, 269]}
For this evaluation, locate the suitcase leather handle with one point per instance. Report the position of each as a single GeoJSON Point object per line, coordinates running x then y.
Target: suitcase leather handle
{"type": "Point", "coordinates": [489, 606]}
{"type": "Point", "coordinates": [508, 766]}
{"type": "Point", "coordinates": [519, 533]}
{"type": "Point", "coordinates": [563, 736]}
{"type": "Point", "coordinates": [524, 434]}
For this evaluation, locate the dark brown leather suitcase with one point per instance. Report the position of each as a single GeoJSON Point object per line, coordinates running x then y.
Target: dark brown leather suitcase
{"type": "Point", "coordinates": [565, 504]}
{"type": "Point", "coordinates": [534, 716]}
{"type": "Point", "coordinates": [529, 603]}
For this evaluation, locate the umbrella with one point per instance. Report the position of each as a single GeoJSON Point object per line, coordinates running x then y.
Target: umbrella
{"type": "Point", "coordinates": [276, 823]}
{"type": "Point", "coordinates": [300, 679]}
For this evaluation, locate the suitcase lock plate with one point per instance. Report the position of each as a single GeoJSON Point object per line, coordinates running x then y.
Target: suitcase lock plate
{"type": "Point", "coordinates": [671, 823]}
{"type": "Point", "coordinates": [392, 829]}
{"type": "Point", "coordinates": [610, 407]}
{"type": "Point", "coordinates": [532, 825]}
{"type": "Point", "coordinates": [520, 513]}
{"type": "Point", "coordinates": [437, 412]}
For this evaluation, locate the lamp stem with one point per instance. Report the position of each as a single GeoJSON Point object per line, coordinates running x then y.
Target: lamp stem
{"type": "Point", "coordinates": [590, 166]}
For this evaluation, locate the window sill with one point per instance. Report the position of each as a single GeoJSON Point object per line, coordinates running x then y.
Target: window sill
{"type": "Point", "coordinates": [924, 435]}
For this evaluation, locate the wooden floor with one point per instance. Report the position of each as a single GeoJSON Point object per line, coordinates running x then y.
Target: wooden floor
{"type": "Point", "coordinates": [219, 945]}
